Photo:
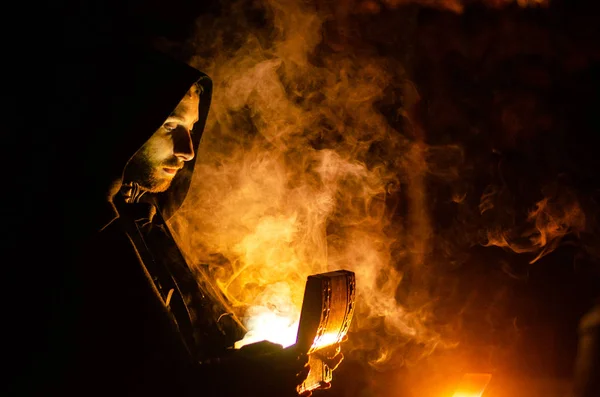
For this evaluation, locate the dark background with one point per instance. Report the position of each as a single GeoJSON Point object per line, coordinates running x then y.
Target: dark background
{"type": "Point", "coordinates": [518, 88]}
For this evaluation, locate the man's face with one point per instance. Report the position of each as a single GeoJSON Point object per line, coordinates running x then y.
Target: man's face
{"type": "Point", "coordinates": [155, 165]}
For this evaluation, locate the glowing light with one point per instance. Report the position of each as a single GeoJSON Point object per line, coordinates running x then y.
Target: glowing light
{"type": "Point", "coordinates": [472, 385]}
{"type": "Point", "coordinates": [272, 327]}
{"type": "Point", "coordinates": [326, 339]}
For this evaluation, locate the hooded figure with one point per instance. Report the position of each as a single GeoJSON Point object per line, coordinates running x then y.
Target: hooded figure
{"type": "Point", "coordinates": [129, 316]}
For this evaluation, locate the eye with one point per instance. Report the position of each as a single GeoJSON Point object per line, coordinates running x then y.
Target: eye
{"type": "Point", "coordinates": [169, 126]}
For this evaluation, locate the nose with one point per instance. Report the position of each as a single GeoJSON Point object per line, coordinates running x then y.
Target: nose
{"type": "Point", "coordinates": [183, 147]}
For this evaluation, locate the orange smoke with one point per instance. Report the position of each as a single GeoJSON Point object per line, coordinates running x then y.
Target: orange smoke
{"type": "Point", "coordinates": [299, 172]}
{"type": "Point", "coordinates": [553, 217]}
{"type": "Point", "coordinates": [295, 176]}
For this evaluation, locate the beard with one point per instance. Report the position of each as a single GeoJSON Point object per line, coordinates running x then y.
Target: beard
{"type": "Point", "coordinates": [148, 174]}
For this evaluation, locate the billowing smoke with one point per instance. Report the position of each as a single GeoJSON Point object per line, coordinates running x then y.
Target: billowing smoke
{"type": "Point", "coordinates": [315, 159]}
{"type": "Point", "coordinates": [299, 172]}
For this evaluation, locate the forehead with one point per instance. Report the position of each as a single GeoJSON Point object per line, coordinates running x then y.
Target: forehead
{"type": "Point", "coordinates": [188, 106]}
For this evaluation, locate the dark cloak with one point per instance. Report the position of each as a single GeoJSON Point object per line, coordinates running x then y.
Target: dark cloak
{"type": "Point", "coordinates": [108, 330]}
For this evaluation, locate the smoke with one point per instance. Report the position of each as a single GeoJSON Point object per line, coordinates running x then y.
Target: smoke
{"type": "Point", "coordinates": [557, 215]}
{"type": "Point", "coordinates": [307, 165]}
{"type": "Point", "coordinates": [299, 172]}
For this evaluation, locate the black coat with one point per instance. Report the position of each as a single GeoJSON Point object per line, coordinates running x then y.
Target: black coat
{"type": "Point", "coordinates": [99, 318]}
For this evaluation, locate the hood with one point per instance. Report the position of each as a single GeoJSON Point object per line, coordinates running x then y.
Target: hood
{"type": "Point", "coordinates": [122, 96]}
{"type": "Point", "coordinates": [170, 201]}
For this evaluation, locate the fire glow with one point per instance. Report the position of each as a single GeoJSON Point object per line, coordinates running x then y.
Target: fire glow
{"type": "Point", "coordinates": [265, 324]}
{"type": "Point", "coordinates": [472, 385]}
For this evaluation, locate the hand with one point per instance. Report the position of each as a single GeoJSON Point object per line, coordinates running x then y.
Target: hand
{"type": "Point", "coordinates": [262, 369]}
{"type": "Point", "coordinates": [287, 368]}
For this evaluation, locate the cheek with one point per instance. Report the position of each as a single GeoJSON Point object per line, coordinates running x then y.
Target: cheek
{"type": "Point", "coordinates": [160, 148]}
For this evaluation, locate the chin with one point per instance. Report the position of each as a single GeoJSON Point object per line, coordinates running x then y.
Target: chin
{"type": "Point", "coordinates": [162, 187]}
{"type": "Point", "coordinates": [158, 185]}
